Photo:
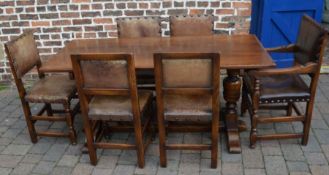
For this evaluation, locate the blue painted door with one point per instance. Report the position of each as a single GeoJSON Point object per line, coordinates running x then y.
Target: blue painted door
{"type": "Point", "coordinates": [276, 23]}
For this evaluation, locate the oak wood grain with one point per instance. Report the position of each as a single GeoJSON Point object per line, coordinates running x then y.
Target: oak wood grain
{"type": "Point", "coordinates": [237, 51]}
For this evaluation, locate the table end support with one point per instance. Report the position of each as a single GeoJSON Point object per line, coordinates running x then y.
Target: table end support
{"type": "Point", "coordinates": [232, 86]}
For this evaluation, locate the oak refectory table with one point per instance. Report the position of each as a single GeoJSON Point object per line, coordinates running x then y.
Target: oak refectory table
{"type": "Point", "coordinates": [238, 52]}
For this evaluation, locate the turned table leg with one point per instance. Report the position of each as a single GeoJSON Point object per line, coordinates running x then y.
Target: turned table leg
{"type": "Point", "coordinates": [232, 86]}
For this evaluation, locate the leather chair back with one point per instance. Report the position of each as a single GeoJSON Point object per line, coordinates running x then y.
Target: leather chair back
{"type": "Point", "coordinates": [309, 41]}
{"type": "Point", "coordinates": [191, 25]}
{"type": "Point", "coordinates": [23, 54]}
{"type": "Point", "coordinates": [186, 70]}
{"type": "Point", "coordinates": [139, 27]}
{"type": "Point", "coordinates": [102, 71]}
{"type": "Point", "coordinates": [104, 74]}
{"type": "Point", "coordinates": [180, 73]}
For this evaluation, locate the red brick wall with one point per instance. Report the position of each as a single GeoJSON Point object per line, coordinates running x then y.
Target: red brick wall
{"type": "Point", "coordinates": [57, 21]}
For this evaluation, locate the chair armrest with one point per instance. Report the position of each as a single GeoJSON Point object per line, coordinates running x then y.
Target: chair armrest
{"type": "Point", "coordinates": [297, 69]}
{"type": "Point", "coordinates": [288, 48]}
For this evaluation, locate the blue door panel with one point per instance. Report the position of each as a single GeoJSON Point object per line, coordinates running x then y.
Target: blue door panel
{"type": "Point", "coordinates": [254, 16]}
{"type": "Point", "coordinates": [276, 23]}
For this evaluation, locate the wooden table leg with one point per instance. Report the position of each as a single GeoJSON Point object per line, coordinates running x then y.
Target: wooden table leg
{"type": "Point", "coordinates": [232, 86]}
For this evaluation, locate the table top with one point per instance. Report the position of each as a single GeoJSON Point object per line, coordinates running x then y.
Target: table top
{"type": "Point", "coordinates": [236, 51]}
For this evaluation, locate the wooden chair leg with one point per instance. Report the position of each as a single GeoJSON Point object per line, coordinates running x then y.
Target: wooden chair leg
{"type": "Point", "coordinates": [69, 121]}
{"type": "Point", "coordinates": [29, 122]}
{"type": "Point", "coordinates": [162, 142]}
{"type": "Point", "coordinates": [139, 143]}
{"type": "Point", "coordinates": [152, 130]}
{"type": "Point", "coordinates": [214, 141]}
{"type": "Point", "coordinates": [90, 141]}
{"type": "Point", "coordinates": [307, 122]}
{"type": "Point", "coordinates": [49, 109]}
{"type": "Point", "coordinates": [244, 104]}
{"type": "Point", "coordinates": [289, 109]}
{"type": "Point", "coordinates": [253, 131]}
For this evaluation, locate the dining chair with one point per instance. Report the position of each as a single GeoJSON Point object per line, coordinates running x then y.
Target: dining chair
{"type": "Point", "coordinates": [191, 25]}
{"type": "Point", "coordinates": [283, 88]}
{"type": "Point", "coordinates": [23, 56]}
{"type": "Point", "coordinates": [139, 27]}
{"type": "Point", "coordinates": [107, 91]}
{"type": "Point", "coordinates": [187, 88]}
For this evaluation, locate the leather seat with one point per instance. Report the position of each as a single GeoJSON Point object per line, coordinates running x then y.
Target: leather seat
{"type": "Point", "coordinates": [280, 88]}
{"type": "Point", "coordinates": [187, 107]}
{"type": "Point", "coordinates": [117, 108]}
{"type": "Point", "coordinates": [52, 89]}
